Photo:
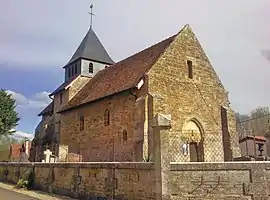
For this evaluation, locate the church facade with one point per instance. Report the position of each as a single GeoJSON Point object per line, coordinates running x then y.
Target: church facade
{"type": "Point", "coordinates": [104, 110]}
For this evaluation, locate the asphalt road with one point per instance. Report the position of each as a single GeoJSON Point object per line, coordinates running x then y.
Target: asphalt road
{"type": "Point", "coordinates": [10, 195]}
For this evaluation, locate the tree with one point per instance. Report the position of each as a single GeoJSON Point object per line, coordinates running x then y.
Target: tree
{"type": "Point", "coordinates": [241, 118]}
{"type": "Point", "coordinates": [256, 123]}
{"type": "Point", "coordinates": [6, 141]}
{"type": "Point", "coordinates": [260, 122]}
{"type": "Point", "coordinates": [242, 122]}
{"type": "Point", "coordinates": [8, 116]}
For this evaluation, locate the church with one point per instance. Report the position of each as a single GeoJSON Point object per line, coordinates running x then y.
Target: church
{"type": "Point", "coordinates": [103, 111]}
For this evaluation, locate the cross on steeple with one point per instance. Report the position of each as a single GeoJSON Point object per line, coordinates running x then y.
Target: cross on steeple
{"type": "Point", "coordinates": [91, 15]}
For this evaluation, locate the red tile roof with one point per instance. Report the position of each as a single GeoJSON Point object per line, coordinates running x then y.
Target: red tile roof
{"type": "Point", "coordinates": [260, 138]}
{"type": "Point", "coordinates": [250, 137]}
{"type": "Point", "coordinates": [119, 77]}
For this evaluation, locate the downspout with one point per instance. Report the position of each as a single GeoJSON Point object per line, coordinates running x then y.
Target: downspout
{"type": "Point", "coordinates": [133, 94]}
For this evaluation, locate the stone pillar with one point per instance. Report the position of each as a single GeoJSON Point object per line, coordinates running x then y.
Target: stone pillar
{"type": "Point", "coordinates": [162, 157]}
{"type": "Point", "coordinates": [63, 153]}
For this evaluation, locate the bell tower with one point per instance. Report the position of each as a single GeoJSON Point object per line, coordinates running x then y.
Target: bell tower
{"type": "Point", "coordinates": [90, 57]}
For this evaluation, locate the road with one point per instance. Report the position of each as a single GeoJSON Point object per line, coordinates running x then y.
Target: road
{"type": "Point", "coordinates": [10, 195]}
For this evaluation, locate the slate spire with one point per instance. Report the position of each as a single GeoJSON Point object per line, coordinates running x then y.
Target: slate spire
{"type": "Point", "coordinates": [91, 48]}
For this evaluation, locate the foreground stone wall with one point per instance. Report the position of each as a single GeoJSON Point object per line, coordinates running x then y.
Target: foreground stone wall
{"type": "Point", "coordinates": [88, 180]}
{"type": "Point", "coordinates": [220, 181]}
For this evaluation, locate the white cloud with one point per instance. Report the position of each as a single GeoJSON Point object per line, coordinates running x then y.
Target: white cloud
{"type": "Point", "coordinates": [38, 100]}
{"type": "Point", "coordinates": [21, 135]}
{"type": "Point", "coordinates": [266, 54]}
{"type": "Point", "coordinates": [20, 99]}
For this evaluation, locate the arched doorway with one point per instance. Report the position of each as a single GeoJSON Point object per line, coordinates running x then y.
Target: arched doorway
{"type": "Point", "coordinates": [193, 133]}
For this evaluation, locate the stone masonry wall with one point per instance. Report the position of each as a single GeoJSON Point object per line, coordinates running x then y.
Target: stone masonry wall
{"type": "Point", "coordinates": [220, 181]}
{"type": "Point", "coordinates": [88, 180]}
{"type": "Point", "coordinates": [198, 99]}
{"type": "Point", "coordinates": [98, 142]}
{"type": "Point", "coordinates": [55, 120]}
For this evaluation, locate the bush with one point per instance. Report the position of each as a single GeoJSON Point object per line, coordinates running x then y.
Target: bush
{"type": "Point", "coordinates": [26, 181]}
{"type": "Point", "coordinates": [22, 184]}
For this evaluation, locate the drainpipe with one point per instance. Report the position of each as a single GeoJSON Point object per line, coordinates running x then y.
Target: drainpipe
{"type": "Point", "coordinates": [133, 94]}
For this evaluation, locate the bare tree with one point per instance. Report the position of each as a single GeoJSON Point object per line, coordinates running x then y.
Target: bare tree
{"type": "Point", "coordinates": [260, 120]}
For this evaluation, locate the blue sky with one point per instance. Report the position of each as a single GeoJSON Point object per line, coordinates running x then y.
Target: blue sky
{"type": "Point", "coordinates": [37, 38]}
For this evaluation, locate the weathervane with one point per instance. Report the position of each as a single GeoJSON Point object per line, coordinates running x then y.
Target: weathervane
{"type": "Point", "coordinates": [91, 14]}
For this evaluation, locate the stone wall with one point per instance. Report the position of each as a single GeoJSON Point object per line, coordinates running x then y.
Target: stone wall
{"type": "Point", "coordinates": [220, 181]}
{"type": "Point", "coordinates": [197, 99]}
{"type": "Point", "coordinates": [100, 142]}
{"type": "Point", "coordinates": [97, 141]}
{"type": "Point", "coordinates": [129, 181]}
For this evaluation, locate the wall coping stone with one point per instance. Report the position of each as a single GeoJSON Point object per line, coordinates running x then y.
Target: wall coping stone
{"type": "Point", "coordinates": [181, 166]}
{"type": "Point", "coordinates": [94, 165]}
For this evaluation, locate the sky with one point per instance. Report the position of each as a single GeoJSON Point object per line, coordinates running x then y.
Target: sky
{"type": "Point", "coordinates": [37, 38]}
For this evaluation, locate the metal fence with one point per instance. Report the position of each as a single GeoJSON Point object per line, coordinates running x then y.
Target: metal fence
{"type": "Point", "coordinates": [191, 146]}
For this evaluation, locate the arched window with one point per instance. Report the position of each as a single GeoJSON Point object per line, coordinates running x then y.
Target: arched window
{"type": "Point", "coordinates": [107, 118]}
{"type": "Point", "coordinates": [91, 68]}
{"type": "Point", "coordinates": [81, 123]}
{"type": "Point", "coordinates": [125, 135]}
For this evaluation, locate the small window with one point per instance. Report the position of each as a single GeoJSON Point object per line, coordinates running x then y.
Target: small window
{"type": "Point", "coordinates": [107, 118]}
{"type": "Point", "coordinates": [58, 126]}
{"type": "Point", "coordinates": [69, 72]}
{"type": "Point", "coordinates": [190, 71]}
{"type": "Point", "coordinates": [61, 98]}
{"type": "Point", "coordinates": [72, 72]}
{"type": "Point", "coordinates": [81, 123]}
{"type": "Point", "coordinates": [125, 135]}
{"type": "Point", "coordinates": [91, 68]}
{"type": "Point", "coordinates": [76, 69]}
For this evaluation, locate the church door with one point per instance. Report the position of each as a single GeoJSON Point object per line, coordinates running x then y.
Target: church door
{"type": "Point", "coordinates": [193, 152]}
{"type": "Point", "coordinates": [193, 134]}
{"type": "Point", "coordinates": [196, 152]}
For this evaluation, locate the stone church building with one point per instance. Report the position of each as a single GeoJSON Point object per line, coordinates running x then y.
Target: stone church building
{"type": "Point", "coordinates": [103, 111]}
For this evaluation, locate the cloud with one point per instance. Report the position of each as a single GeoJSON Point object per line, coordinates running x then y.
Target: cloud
{"type": "Point", "coordinates": [38, 100]}
{"type": "Point", "coordinates": [28, 109]}
{"type": "Point", "coordinates": [266, 54]}
{"type": "Point", "coordinates": [21, 135]}
{"type": "Point", "coordinates": [20, 99]}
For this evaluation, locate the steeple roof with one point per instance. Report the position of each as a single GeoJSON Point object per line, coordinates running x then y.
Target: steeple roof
{"type": "Point", "coordinates": [91, 48]}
